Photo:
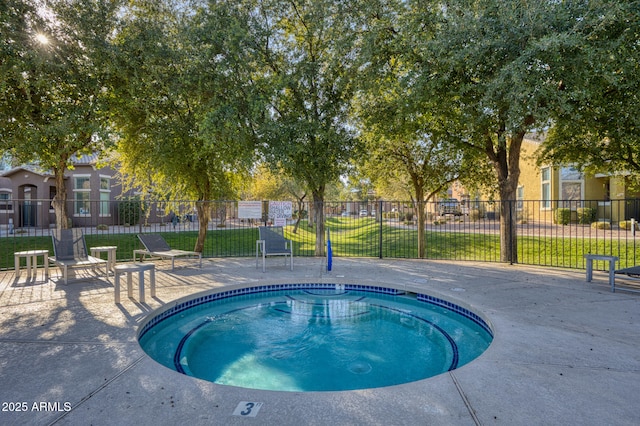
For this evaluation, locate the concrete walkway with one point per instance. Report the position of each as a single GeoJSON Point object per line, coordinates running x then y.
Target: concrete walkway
{"type": "Point", "coordinates": [565, 352]}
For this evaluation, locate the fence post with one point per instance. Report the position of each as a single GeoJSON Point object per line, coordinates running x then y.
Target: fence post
{"type": "Point", "coordinates": [379, 212]}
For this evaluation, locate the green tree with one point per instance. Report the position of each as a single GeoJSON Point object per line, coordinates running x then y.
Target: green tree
{"type": "Point", "coordinates": [596, 124]}
{"type": "Point", "coordinates": [181, 101]}
{"type": "Point", "coordinates": [489, 63]}
{"type": "Point", "coordinates": [307, 51]}
{"type": "Point", "coordinates": [52, 81]}
{"type": "Point", "coordinates": [405, 141]}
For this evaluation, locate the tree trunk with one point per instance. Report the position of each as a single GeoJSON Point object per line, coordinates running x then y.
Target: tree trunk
{"type": "Point", "coordinates": [203, 208]}
{"type": "Point", "coordinates": [508, 223]}
{"type": "Point", "coordinates": [299, 219]}
{"type": "Point", "coordinates": [59, 201]}
{"type": "Point", "coordinates": [506, 162]}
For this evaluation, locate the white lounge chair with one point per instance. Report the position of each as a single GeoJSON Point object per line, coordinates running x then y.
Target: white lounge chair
{"type": "Point", "coordinates": [155, 245]}
{"type": "Point", "coordinates": [70, 251]}
{"type": "Point", "coordinates": [273, 243]}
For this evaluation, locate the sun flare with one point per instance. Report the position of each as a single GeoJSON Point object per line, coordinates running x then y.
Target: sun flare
{"type": "Point", "coordinates": [41, 38]}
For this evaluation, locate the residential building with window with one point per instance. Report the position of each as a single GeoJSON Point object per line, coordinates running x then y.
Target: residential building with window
{"type": "Point", "coordinates": [26, 193]}
{"type": "Point", "coordinates": [564, 186]}
{"type": "Point", "coordinates": [542, 189]}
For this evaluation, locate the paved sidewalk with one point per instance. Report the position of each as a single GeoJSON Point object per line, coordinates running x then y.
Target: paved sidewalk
{"type": "Point", "coordinates": [565, 352]}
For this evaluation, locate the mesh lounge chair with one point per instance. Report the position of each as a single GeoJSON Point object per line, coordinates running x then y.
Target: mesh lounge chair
{"type": "Point", "coordinates": [273, 243]}
{"type": "Point", "coordinates": [70, 251]}
{"type": "Point", "coordinates": [155, 245]}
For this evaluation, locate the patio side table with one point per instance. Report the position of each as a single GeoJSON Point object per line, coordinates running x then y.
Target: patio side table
{"type": "Point", "coordinates": [32, 261]}
{"type": "Point", "coordinates": [111, 255]}
{"type": "Point", "coordinates": [129, 269]}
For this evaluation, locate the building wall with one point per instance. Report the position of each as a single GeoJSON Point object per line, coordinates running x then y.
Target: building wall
{"type": "Point", "coordinates": [600, 191]}
{"type": "Point", "coordinates": [529, 181]}
{"type": "Point", "coordinates": [31, 192]}
{"type": "Point", "coordinates": [563, 185]}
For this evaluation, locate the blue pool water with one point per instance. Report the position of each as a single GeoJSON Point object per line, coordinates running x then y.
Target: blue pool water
{"type": "Point", "coordinates": [314, 337]}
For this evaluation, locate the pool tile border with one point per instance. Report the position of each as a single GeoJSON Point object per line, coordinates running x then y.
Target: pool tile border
{"type": "Point", "coordinates": [180, 307]}
{"type": "Point", "coordinates": [456, 308]}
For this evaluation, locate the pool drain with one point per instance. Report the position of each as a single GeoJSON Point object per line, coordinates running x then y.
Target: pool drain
{"type": "Point", "coordinates": [360, 367]}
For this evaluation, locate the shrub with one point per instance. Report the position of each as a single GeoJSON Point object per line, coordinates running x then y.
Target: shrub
{"type": "Point", "coordinates": [601, 225]}
{"type": "Point", "coordinates": [563, 216]}
{"type": "Point", "coordinates": [130, 211]}
{"type": "Point", "coordinates": [587, 215]}
{"type": "Point", "coordinates": [626, 224]}
{"type": "Point", "coordinates": [474, 215]}
{"type": "Point", "coordinates": [102, 227]}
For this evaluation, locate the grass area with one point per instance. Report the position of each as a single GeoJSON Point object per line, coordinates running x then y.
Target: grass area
{"type": "Point", "coordinates": [362, 237]}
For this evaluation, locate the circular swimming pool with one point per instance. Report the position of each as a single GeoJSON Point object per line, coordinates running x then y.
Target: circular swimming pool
{"type": "Point", "coordinates": [313, 337]}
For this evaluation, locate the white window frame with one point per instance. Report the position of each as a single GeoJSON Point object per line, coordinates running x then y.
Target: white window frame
{"type": "Point", "coordinates": [9, 200]}
{"type": "Point", "coordinates": [545, 183]}
{"type": "Point", "coordinates": [76, 191]}
{"type": "Point", "coordinates": [104, 192]}
{"type": "Point", "coordinates": [577, 178]}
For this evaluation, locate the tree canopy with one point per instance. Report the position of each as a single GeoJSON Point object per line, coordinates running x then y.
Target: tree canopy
{"type": "Point", "coordinates": [52, 81]}
{"type": "Point", "coordinates": [182, 100]}
{"type": "Point", "coordinates": [192, 92]}
{"type": "Point", "coordinates": [596, 123]}
{"type": "Point", "coordinates": [489, 62]}
{"type": "Point", "coordinates": [307, 50]}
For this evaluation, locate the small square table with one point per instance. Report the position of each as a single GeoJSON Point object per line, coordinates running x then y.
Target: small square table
{"type": "Point", "coordinates": [32, 261]}
{"type": "Point", "coordinates": [111, 255]}
{"type": "Point", "coordinates": [129, 269]}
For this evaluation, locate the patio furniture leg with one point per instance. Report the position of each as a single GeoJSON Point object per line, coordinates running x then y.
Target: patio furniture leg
{"type": "Point", "coordinates": [130, 284]}
{"type": "Point", "coordinates": [141, 286]}
{"type": "Point", "coordinates": [612, 275]}
{"type": "Point", "coordinates": [116, 285]}
{"type": "Point", "coordinates": [152, 278]}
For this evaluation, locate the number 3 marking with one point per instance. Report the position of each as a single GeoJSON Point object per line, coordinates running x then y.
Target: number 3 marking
{"type": "Point", "coordinates": [249, 406]}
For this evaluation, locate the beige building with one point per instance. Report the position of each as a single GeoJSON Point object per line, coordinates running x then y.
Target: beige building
{"type": "Point", "coordinates": [545, 188]}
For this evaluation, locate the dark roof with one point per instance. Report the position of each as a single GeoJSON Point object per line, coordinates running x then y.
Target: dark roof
{"type": "Point", "coordinates": [86, 159]}
{"type": "Point", "coordinates": [80, 160]}
{"type": "Point", "coordinates": [28, 168]}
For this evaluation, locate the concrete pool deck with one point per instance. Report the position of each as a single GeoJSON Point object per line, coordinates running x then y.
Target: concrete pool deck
{"type": "Point", "coordinates": [565, 351]}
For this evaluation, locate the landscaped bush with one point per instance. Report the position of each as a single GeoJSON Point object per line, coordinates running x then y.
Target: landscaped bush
{"type": "Point", "coordinates": [129, 211]}
{"type": "Point", "coordinates": [563, 216]}
{"type": "Point", "coordinates": [626, 224]}
{"type": "Point", "coordinates": [587, 215]}
{"type": "Point", "coordinates": [601, 225]}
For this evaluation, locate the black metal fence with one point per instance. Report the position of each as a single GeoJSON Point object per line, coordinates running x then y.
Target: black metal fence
{"type": "Point", "coordinates": [548, 233]}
